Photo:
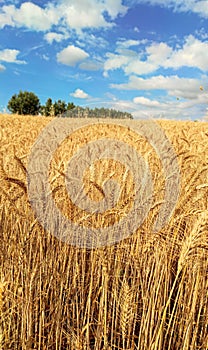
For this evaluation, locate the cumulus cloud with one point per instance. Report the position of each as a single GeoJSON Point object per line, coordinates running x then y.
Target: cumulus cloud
{"type": "Point", "coordinates": [78, 93]}
{"type": "Point", "coordinates": [5, 17]}
{"type": "Point", "coordinates": [71, 55]}
{"type": "Point", "coordinates": [115, 7]}
{"type": "Point", "coordinates": [115, 61]}
{"type": "Point", "coordinates": [53, 36]}
{"type": "Point", "coordinates": [178, 97]}
{"type": "Point", "coordinates": [146, 101]}
{"type": "Point", "coordinates": [158, 52]}
{"type": "Point", "coordinates": [169, 108]}
{"type": "Point", "coordinates": [90, 13]}
{"type": "Point", "coordinates": [72, 14]}
{"type": "Point", "coordinates": [176, 86]}
{"type": "Point", "coordinates": [201, 7]}
{"type": "Point", "coordinates": [84, 14]}
{"type": "Point", "coordinates": [196, 6]}
{"type": "Point", "coordinates": [10, 56]}
{"type": "Point", "coordinates": [123, 43]}
{"type": "Point", "coordinates": [193, 53]}
{"type": "Point", "coordinates": [133, 61]}
{"type": "Point", "coordinates": [30, 16]}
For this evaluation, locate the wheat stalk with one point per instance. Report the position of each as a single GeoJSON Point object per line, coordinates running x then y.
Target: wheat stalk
{"type": "Point", "coordinates": [148, 291]}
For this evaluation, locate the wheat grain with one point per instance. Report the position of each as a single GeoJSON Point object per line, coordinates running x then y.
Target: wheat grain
{"type": "Point", "coordinates": [148, 291]}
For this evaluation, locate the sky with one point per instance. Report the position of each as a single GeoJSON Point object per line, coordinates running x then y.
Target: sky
{"type": "Point", "coordinates": [147, 57]}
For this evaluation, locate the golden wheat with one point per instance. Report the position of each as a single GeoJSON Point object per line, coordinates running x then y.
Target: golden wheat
{"type": "Point", "coordinates": [148, 291]}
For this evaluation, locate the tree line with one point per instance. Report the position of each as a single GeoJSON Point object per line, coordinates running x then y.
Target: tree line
{"type": "Point", "coordinates": [86, 112]}
{"type": "Point", "coordinates": [28, 103]}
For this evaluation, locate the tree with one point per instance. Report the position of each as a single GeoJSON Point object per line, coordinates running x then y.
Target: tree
{"type": "Point", "coordinates": [59, 107]}
{"type": "Point", "coordinates": [70, 106]}
{"type": "Point", "coordinates": [47, 109]}
{"type": "Point", "coordinates": [24, 103]}
{"type": "Point", "coordinates": [86, 112]}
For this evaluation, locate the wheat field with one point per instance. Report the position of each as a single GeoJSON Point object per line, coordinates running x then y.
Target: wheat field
{"type": "Point", "coordinates": [148, 291]}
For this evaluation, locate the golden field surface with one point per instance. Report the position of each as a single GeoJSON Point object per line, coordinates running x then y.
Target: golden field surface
{"type": "Point", "coordinates": [148, 291]}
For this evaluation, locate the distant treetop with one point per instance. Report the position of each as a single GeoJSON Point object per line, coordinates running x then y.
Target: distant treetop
{"type": "Point", "coordinates": [80, 112]}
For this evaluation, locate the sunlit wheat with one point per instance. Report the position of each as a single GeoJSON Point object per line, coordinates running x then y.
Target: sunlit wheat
{"type": "Point", "coordinates": [148, 291]}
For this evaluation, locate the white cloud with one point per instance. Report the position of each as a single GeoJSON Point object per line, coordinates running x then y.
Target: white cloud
{"type": "Point", "coordinates": [78, 93]}
{"type": "Point", "coordinates": [193, 53]}
{"type": "Point", "coordinates": [90, 13]}
{"type": "Point", "coordinates": [146, 101]}
{"type": "Point", "coordinates": [34, 17]}
{"type": "Point", "coordinates": [133, 62]}
{"type": "Point", "coordinates": [77, 77]}
{"type": "Point", "coordinates": [76, 15]}
{"type": "Point", "coordinates": [166, 107]}
{"type": "Point", "coordinates": [84, 14]}
{"type": "Point", "coordinates": [87, 39]}
{"type": "Point", "coordinates": [30, 16]}
{"type": "Point", "coordinates": [197, 6]}
{"type": "Point", "coordinates": [116, 61]}
{"type": "Point", "coordinates": [136, 29]}
{"type": "Point", "coordinates": [53, 36]}
{"type": "Point", "coordinates": [176, 86]}
{"type": "Point", "coordinates": [115, 7]}
{"type": "Point", "coordinates": [71, 55]}
{"type": "Point", "coordinates": [5, 17]}
{"type": "Point", "coordinates": [91, 65]}
{"type": "Point", "coordinates": [126, 43]}
{"type": "Point", "coordinates": [140, 67]}
{"type": "Point", "coordinates": [10, 56]}
{"type": "Point", "coordinates": [202, 33]}
{"type": "Point", "coordinates": [158, 52]}
{"type": "Point", "coordinates": [201, 7]}
{"type": "Point", "coordinates": [45, 57]}
{"type": "Point", "coordinates": [2, 68]}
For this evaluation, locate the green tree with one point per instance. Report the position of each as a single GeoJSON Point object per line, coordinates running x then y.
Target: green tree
{"type": "Point", "coordinates": [47, 108]}
{"type": "Point", "coordinates": [24, 103]}
{"type": "Point", "coordinates": [70, 106]}
{"type": "Point", "coordinates": [59, 107]}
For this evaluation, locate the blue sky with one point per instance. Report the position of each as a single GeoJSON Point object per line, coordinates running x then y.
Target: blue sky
{"type": "Point", "coordinates": [148, 57]}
